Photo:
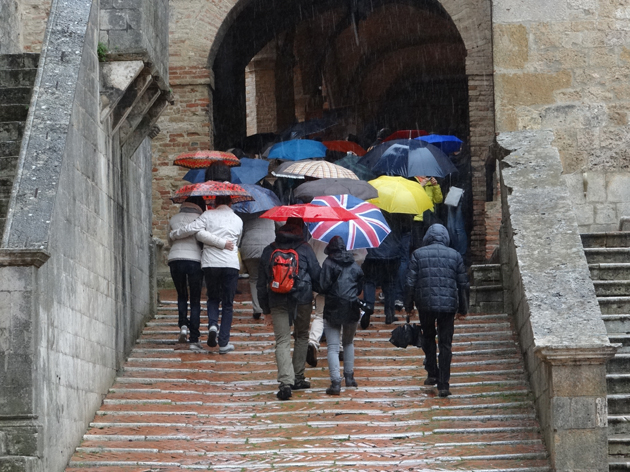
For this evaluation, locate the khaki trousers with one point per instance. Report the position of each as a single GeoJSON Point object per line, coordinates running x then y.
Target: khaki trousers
{"type": "Point", "coordinates": [291, 369]}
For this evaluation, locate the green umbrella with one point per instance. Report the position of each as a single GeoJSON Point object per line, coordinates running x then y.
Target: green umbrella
{"type": "Point", "coordinates": [350, 162]}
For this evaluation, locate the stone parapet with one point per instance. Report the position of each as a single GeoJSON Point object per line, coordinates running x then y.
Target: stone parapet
{"type": "Point", "coordinates": [562, 335]}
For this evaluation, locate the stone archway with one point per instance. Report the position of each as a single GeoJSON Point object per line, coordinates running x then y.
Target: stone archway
{"type": "Point", "coordinates": [199, 31]}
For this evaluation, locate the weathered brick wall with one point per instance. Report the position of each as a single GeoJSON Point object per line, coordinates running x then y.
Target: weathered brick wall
{"type": "Point", "coordinates": [197, 28]}
{"type": "Point", "coordinates": [34, 16]}
{"type": "Point", "coordinates": [10, 27]}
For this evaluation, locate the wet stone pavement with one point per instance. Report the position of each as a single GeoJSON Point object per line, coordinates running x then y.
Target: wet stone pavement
{"type": "Point", "coordinates": [174, 409]}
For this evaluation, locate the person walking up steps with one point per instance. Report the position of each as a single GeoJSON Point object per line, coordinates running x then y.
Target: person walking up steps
{"type": "Point", "coordinates": [220, 230]}
{"type": "Point", "coordinates": [341, 281]}
{"type": "Point", "coordinates": [287, 276]}
{"type": "Point", "coordinates": [184, 260]}
{"type": "Point", "coordinates": [437, 283]}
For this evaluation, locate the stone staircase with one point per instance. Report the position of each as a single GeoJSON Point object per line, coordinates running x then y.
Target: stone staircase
{"type": "Point", "coordinates": [608, 255]}
{"type": "Point", "coordinates": [17, 76]}
{"type": "Point", "coordinates": [173, 409]}
{"type": "Point", "coordinates": [486, 291]}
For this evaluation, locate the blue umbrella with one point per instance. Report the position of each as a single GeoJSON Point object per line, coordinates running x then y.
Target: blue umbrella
{"type": "Point", "coordinates": [447, 144]}
{"type": "Point", "coordinates": [368, 230]}
{"type": "Point", "coordinates": [264, 199]}
{"type": "Point", "coordinates": [297, 149]}
{"type": "Point", "coordinates": [414, 159]}
{"type": "Point", "coordinates": [250, 171]}
{"type": "Point", "coordinates": [195, 176]}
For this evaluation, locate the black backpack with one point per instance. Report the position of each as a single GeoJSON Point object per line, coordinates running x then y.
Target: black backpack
{"type": "Point", "coordinates": [405, 335]}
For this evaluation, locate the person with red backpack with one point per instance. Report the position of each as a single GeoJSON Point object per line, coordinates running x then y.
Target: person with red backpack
{"type": "Point", "coordinates": [287, 276]}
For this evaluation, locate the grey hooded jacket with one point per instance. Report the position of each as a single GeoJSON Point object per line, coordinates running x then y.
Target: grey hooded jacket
{"type": "Point", "coordinates": [436, 278]}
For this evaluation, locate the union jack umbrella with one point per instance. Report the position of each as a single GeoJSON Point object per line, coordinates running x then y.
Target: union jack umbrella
{"type": "Point", "coordinates": [201, 159]}
{"type": "Point", "coordinates": [211, 190]}
{"type": "Point", "coordinates": [368, 230]}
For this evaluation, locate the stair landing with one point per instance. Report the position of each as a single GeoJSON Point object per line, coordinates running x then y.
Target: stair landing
{"type": "Point", "coordinates": [173, 409]}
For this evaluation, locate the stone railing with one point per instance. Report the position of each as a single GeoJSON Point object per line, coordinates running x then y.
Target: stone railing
{"type": "Point", "coordinates": [558, 319]}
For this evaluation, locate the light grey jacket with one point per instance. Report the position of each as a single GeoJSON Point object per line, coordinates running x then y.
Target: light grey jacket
{"type": "Point", "coordinates": [258, 233]}
{"type": "Point", "coordinates": [185, 249]}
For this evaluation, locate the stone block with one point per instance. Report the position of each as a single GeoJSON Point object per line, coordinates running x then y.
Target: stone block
{"type": "Point", "coordinates": [606, 214]}
{"type": "Point", "coordinates": [510, 46]}
{"type": "Point", "coordinates": [618, 187]}
{"type": "Point", "coordinates": [530, 88]}
{"type": "Point", "coordinates": [579, 412]}
{"type": "Point", "coordinates": [596, 187]}
{"type": "Point", "coordinates": [585, 214]}
{"type": "Point", "coordinates": [113, 20]}
{"type": "Point", "coordinates": [580, 450]}
{"type": "Point", "coordinates": [537, 11]}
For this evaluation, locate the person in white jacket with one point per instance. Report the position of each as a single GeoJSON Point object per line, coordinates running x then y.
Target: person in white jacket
{"type": "Point", "coordinates": [184, 260]}
{"type": "Point", "coordinates": [220, 231]}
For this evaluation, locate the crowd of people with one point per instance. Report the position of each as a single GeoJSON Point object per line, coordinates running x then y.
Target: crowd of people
{"type": "Point", "coordinates": [415, 267]}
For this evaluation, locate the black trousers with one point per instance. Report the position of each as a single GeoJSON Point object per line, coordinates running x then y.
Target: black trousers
{"type": "Point", "coordinates": [188, 275]}
{"type": "Point", "coordinates": [445, 328]}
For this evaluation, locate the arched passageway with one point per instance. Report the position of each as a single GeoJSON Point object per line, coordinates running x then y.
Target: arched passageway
{"type": "Point", "coordinates": [401, 64]}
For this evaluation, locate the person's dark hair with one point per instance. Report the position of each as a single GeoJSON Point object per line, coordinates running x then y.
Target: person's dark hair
{"type": "Point", "coordinates": [222, 200]}
{"type": "Point", "coordinates": [219, 172]}
{"type": "Point", "coordinates": [199, 201]}
{"type": "Point", "coordinates": [383, 133]}
{"type": "Point", "coordinates": [353, 138]}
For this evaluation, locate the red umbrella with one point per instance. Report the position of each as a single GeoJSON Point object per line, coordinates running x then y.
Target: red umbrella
{"type": "Point", "coordinates": [344, 146]}
{"type": "Point", "coordinates": [406, 134]}
{"type": "Point", "coordinates": [309, 213]}
{"type": "Point", "coordinates": [211, 190]}
{"type": "Point", "coordinates": [201, 159]}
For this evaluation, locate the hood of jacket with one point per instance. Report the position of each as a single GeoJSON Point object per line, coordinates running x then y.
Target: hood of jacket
{"type": "Point", "coordinates": [291, 233]}
{"type": "Point", "coordinates": [336, 251]}
{"type": "Point", "coordinates": [436, 234]}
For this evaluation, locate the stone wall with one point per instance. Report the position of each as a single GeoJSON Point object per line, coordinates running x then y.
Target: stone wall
{"type": "Point", "coordinates": [565, 67]}
{"type": "Point", "coordinates": [10, 27]}
{"type": "Point", "coordinates": [558, 319]}
{"type": "Point", "coordinates": [76, 268]}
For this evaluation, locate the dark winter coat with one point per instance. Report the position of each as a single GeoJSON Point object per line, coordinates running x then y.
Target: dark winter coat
{"type": "Point", "coordinates": [341, 281]}
{"type": "Point", "coordinates": [289, 236]}
{"type": "Point", "coordinates": [436, 277]}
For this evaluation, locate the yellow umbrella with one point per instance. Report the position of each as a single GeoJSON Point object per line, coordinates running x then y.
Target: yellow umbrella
{"type": "Point", "coordinates": [399, 195]}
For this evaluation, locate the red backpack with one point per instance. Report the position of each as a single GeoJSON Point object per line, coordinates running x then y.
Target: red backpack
{"type": "Point", "coordinates": [284, 270]}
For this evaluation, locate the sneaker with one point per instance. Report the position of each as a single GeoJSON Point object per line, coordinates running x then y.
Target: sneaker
{"type": "Point", "coordinates": [196, 347]}
{"type": "Point", "coordinates": [398, 305]}
{"type": "Point", "coordinates": [229, 347]}
{"type": "Point", "coordinates": [430, 381]}
{"type": "Point", "coordinates": [301, 385]}
{"type": "Point", "coordinates": [256, 316]}
{"type": "Point", "coordinates": [444, 393]}
{"type": "Point", "coordinates": [311, 355]}
{"type": "Point", "coordinates": [284, 393]}
{"type": "Point", "coordinates": [212, 336]}
{"type": "Point", "coordinates": [183, 334]}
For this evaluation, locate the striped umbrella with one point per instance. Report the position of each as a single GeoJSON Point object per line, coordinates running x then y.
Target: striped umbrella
{"type": "Point", "coordinates": [368, 230]}
{"type": "Point", "coordinates": [201, 159]}
{"type": "Point", "coordinates": [317, 170]}
{"type": "Point", "coordinates": [211, 190]}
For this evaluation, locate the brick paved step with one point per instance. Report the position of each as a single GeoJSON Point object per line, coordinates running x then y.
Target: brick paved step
{"type": "Point", "coordinates": [614, 305]}
{"type": "Point", "coordinates": [618, 383]}
{"type": "Point", "coordinates": [619, 364]}
{"type": "Point", "coordinates": [611, 271]}
{"type": "Point", "coordinates": [623, 339]}
{"type": "Point", "coordinates": [599, 255]}
{"type": "Point", "coordinates": [19, 61]}
{"type": "Point", "coordinates": [11, 131]}
{"type": "Point", "coordinates": [618, 403]}
{"type": "Point", "coordinates": [10, 78]}
{"type": "Point", "coordinates": [617, 323]}
{"type": "Point", "coordinates": [15, 96]}
{"type": "Point", "coordinates": [9, 148]}
{"type": "Point", "coordinates": [485, 274]}
{"type": "Point", "coordinates": [612, 288]}
{"type": "Point", "coordinates": [13, 112]}
{"type": "Point", "coordinates": [599, 240]}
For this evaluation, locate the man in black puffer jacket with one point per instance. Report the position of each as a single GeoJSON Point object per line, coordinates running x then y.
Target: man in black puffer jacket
{"type": "Point", "coordinates": [437, 282]}
{"type": "Point", "coordinates": [290, 308]}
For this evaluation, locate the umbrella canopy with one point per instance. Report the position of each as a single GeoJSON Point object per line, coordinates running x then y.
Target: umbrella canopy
{"type": "Point", "coordinates": [256, 143]}
{"type": "Point", "coordinates": [195, 176]}
{"type": "Point", "coordinates": [250, 171]}
{"type": "Point", "coordinates": [368, 230]}
{"type": "Point", "coordinates": [264, 199]}
{"type": "Point", "coordinates": [317, 170]}
{"type": "Point", "coordinates": [344, 146]}
{"type": "Point", "coordinates": [297, 149]}
{"type": "Point", "coordinates": [414, 158]}
{"type": "Point", "coordinates": [201, 159]}
{"type": "Point", "coordinates": [351, 162]}
{"type": "Point", "coordinates": [371, 157]}
{"type": "Point", "coordinates": [445, 143]}
{"type": "Point", "coordinates": [406, 134]}
{"type": "Point", "coordinates": [399, 195]}
{"type": "Point", "coordinates": [299, 130]}
{"type": "Point", "coordinates": [357, 188]}
{"type": "Point", "coordinates": [210, 191]}
{"type": "Point", "coordinates": [309, 213]}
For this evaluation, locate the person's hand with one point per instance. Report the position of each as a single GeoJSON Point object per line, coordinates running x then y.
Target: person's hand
{"type": "Point", "coordinates": [229, 245]}
{"type": "Point", "coordinates": [459, 316]}
{"type": "Point", "coordinates": [433, 181]}
{"type": "Point", "coordinates": [423, 181]}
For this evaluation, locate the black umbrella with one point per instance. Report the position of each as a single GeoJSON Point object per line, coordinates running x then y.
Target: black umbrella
{"type": "Point", "coordinates": [317, 188]}
{"type": "Point", "coordinates": [305, 128]}
{"type": "Point", "coordinates": [409, 160]}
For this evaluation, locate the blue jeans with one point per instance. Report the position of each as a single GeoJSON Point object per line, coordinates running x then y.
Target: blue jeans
{"type": "Point", "coordinates": [221, 287]}
{"type": "Point", "coordinates": [333, 333]}
{"type": "Point", "coordinates": [187, 275]}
